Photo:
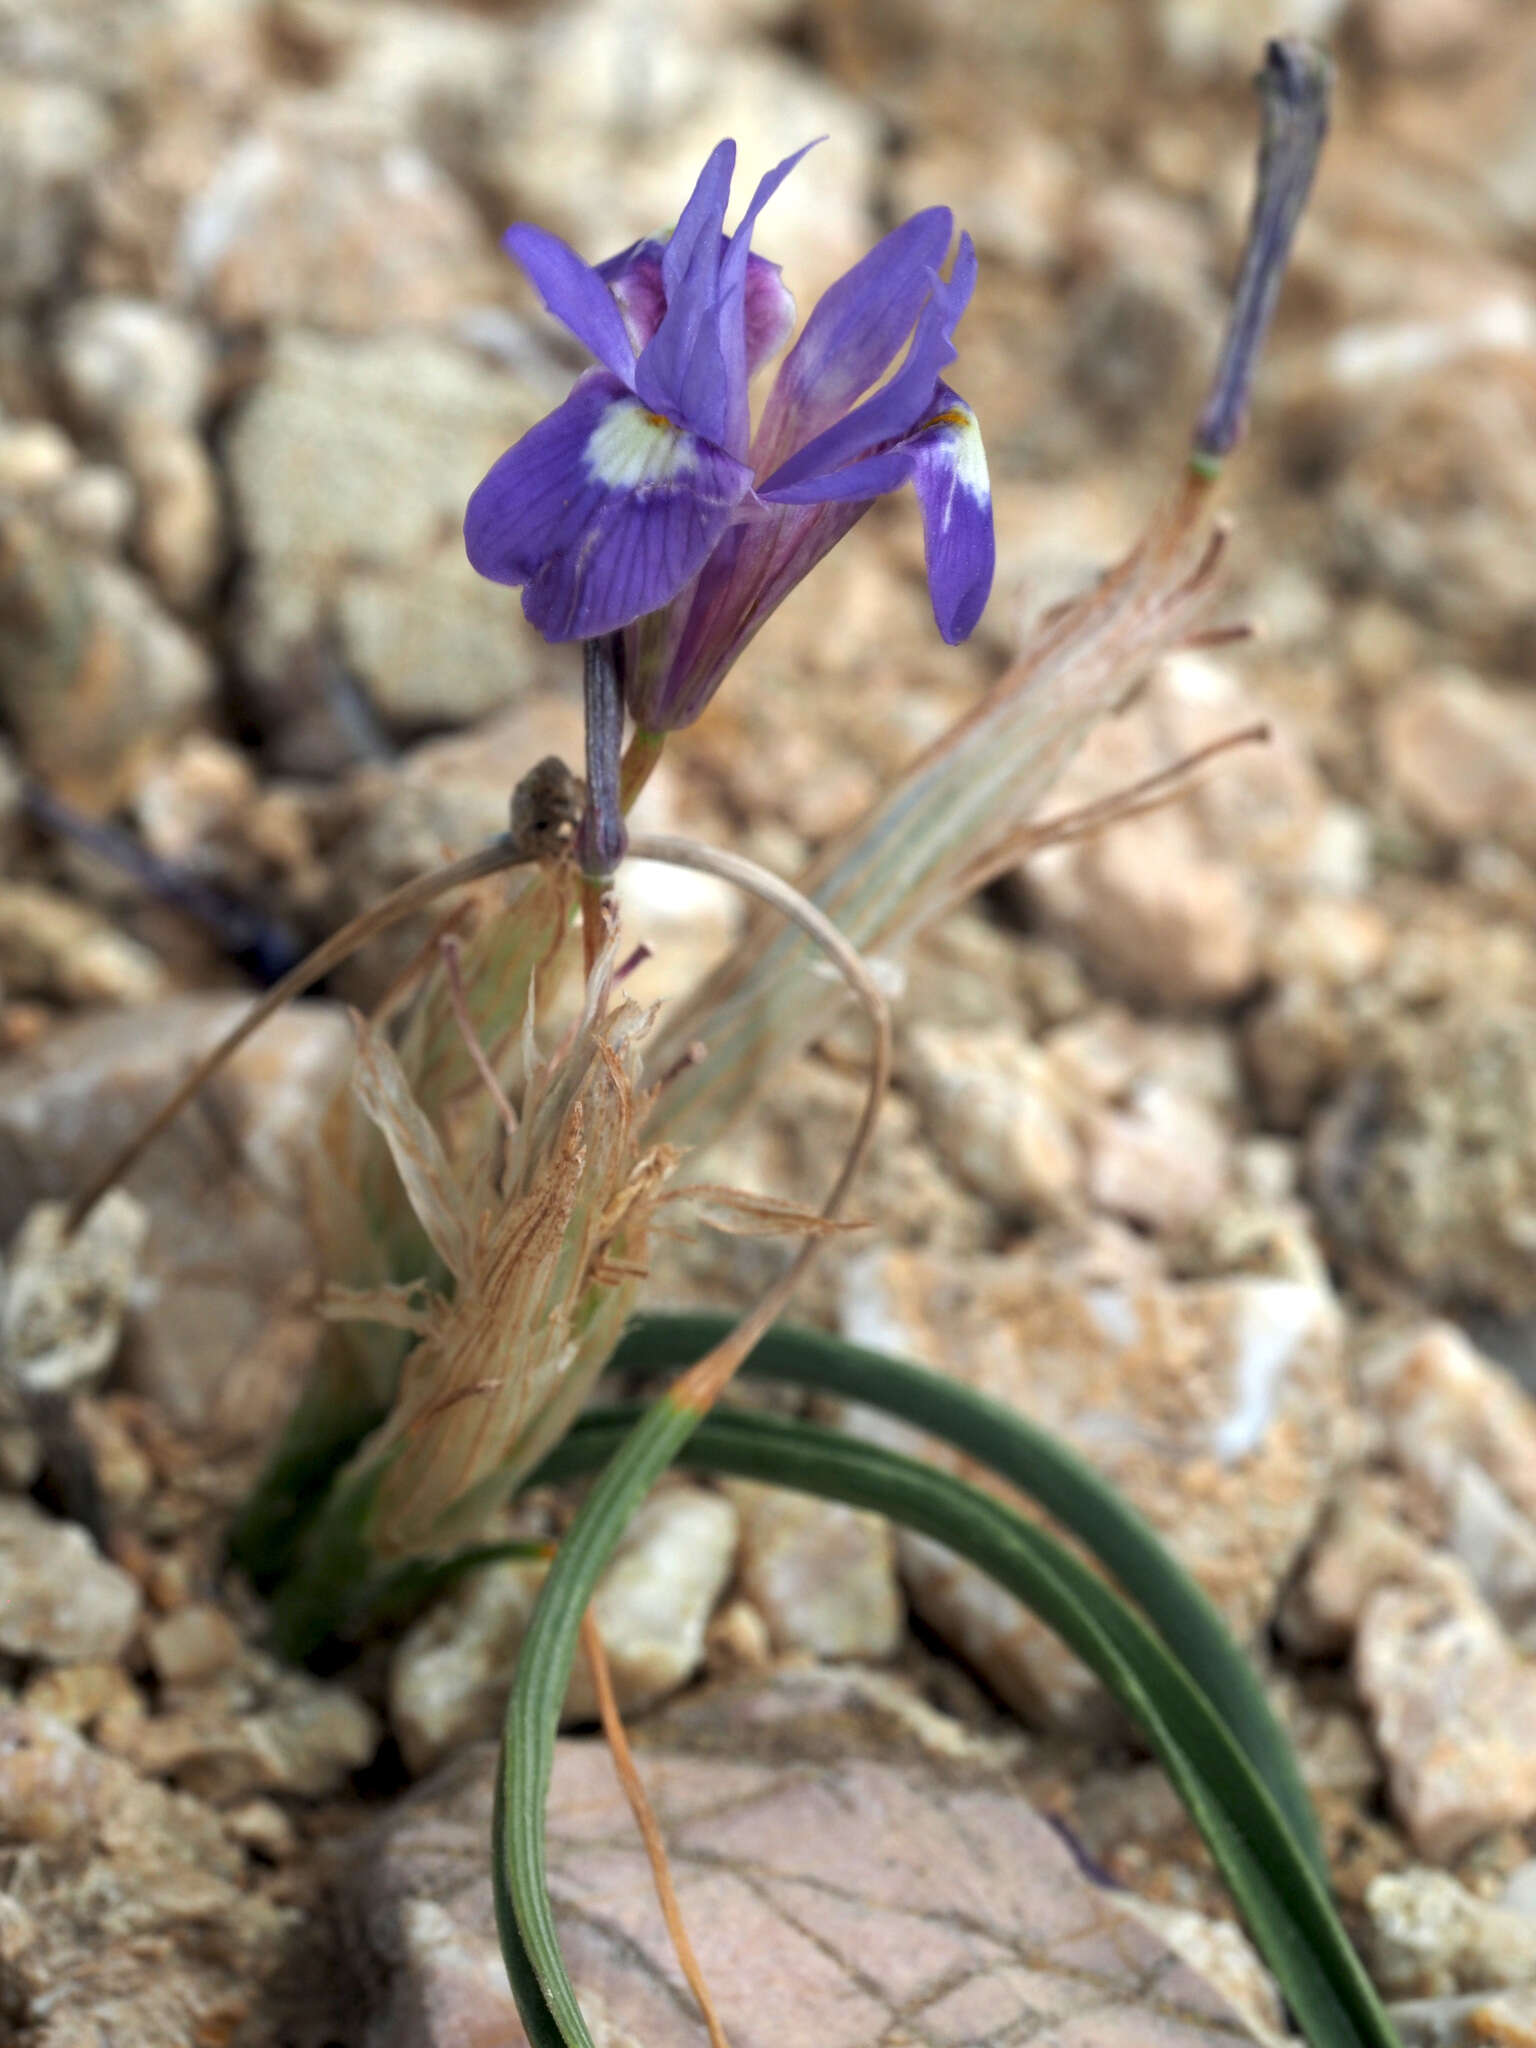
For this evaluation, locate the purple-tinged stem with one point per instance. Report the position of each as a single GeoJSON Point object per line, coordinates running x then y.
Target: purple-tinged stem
{"type": "Point", "coordinates": [600, 844]}
{"type": "Point", "coordinates": [1294, 87]}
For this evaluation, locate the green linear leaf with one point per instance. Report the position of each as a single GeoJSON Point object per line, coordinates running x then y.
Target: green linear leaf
{"type": "Point", "coordinates": [524, 1919]}
{"type": "Point", "coordinates": [1282, 1898]}
{"type": "Point", "coordinates": [1048, 1471]}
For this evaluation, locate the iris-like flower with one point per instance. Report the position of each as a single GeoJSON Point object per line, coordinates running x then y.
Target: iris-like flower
{"type": "Point", "coordinates": [646, 503]}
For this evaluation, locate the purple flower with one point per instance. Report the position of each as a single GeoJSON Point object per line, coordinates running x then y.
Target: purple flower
{"type": "Point", "coordinates": [646, 504]}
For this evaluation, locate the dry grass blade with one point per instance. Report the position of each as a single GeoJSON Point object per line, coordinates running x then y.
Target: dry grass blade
{"type": "Point", "coordinates": [1165, 786]}
{"type": "Point", "coordinates": [645, 1821]}
{"type": "Point", "coordinates": [703, 1383]}
{"type": "Point", "coordinates": [406, 901]}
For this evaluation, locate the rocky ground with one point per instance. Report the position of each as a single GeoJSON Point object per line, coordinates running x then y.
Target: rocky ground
{"type": "Point", "coordinates": [1212, 1143]}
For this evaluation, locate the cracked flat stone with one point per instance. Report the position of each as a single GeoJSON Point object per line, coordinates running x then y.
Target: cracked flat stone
{"type": "Point", "coordinates": [848, 1904]}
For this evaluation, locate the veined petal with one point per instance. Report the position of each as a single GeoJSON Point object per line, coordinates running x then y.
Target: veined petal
{"type": "Point", "coordinates": [575, 293]}
{"type": "Point", "coordinates": [769, 309]}
{"type": "Point", "coordinates": [634, 277]}
{"type": "Point", "coordinates": [682, 371]}
{"type": "Point", "coordinates": [852, 335]}
{"type": "Point", "coordinates": [603, 511]}
{"type": "Point", "coordinates": [899, 406]}
{"type": "Point", "coordinates": [943, 457]}
{"type": "Point", "coordinates": [950, 475]}
{"type": "Point", "coordinates": [871, 476]}
{"type": "Point", "coordinates": [732, 304]}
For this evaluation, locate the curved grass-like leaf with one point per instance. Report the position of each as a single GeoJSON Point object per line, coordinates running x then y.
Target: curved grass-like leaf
{"type": "Point", "coordinates": [1041, 1466]}
{"type": "Point", "coordinates": [1283, 1900]}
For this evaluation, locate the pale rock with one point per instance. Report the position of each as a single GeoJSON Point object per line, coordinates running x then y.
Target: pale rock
{"type": "Point", "coordinates": [737, 1641]}
{"type": "Point", "coordinates": [1463, 758]}
{"type": "Point", "coordinates": [1423, 1158]}
{"type": "Point", "coordinates": [1163, 1161]}
{"type": "Point", "coordinates": [66, 1296]}
{"type": "Point", "coordinates": [1362, 1546]}
{"type": "Point", "coordinates": [350, 468]}
{"type": "Point", "coordinates": [35, 456]}
{"type": "Point", "coordinates": [194, 1643]}
{"type": "Point", "coordinates": [179, 534]}
{"type": "Point", "coordinates": [96, 679]}
{"type": "Point", "coordinates": [1334, 941]}
{"type": "Point", "coordinates": [1223, 35]}
{"type": "Point", "coordinates": [1409, 530]}
{"type": "Point", "coordinates": [119, 1873]}
{"type": "Point", "coordinates": [121, 360]}
{"type": "Point", "coordinates": [1298, 1042]}
{"type": "Point", "coordinates": [1142, 313]}
{"type": "Point", "coordinates": [1431, 1937]}
{"type": "Point", "coordinates": [94, 506]}
{"type": "Point", "coordinates": [243, 1725]}
{"type": "Point", "coordinates": [60, 1600]}
{"type": "Point", "coordinates": [1019, 186]}
{"type": "Point", "coordinates": [1421, 34]}
{"type": "Point", "coordinates": [431, 77]}
{"type": "Point", "coordinates": [53, 136]}
{"type": "Point", "coordinates": [227, 1268]}
{"type": "Point", "coordinates": [1519, 1892]}
{"type": "Point", "coordinates": [107, 1431]}
{"type": "Point", "coordinates": [822, 1575]}
{"type": "Point", "coordinates": [1445, 1405]}
{"type": "Point", "coordinates": [440, 646]}
{"type": "Point", "coordinates": [1217, 1407]}
{"type": "Point", "coordinates": [1508, 2017]}
{"type": "Point", "coordinates": [1465, 1431]}
{"type": "Point", "coordinates": [606, 137]}
{"type": "Point", "coordinates": [1222, 1954]}
{"type": "Point", "coordinates": [1497, 1544]}
{"type": "Point", "coordinates": [263, 1827]}
{"type": "Point", "coordinates": [1453, 1710]}
{"type": "Point", "coordinates": [311, 223]}
{"type": "Point", "coordinates": [54, 946]}
{"type": "Point", "coordinates": [189, 799]}
{"type": "Point", "coordinates": [808, 1886]}
{"type": "Point", "coordinates": [80, 1694]}
{"type": "Point", "coordinates": [450, 1674]}
{"type": "Point", "coordinates": [1168, 904]}
{"type": "Point", "coordinates": [688, 920]}
{"type": "Point", "coordinates": [997, 1114]}
{"type": "Point", "coordinates": [1100, 1055]}
{"type": "Point", "coordinates": [1268, 1170]}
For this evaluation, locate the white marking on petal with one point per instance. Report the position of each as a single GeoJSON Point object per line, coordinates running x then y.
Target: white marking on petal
{"type": "Point", "coordinates": [630, 447]}
{"type": "Point", "coordinates": [970, 458]}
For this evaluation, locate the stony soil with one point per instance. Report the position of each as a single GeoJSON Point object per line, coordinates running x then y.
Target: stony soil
{"type": "Point", "coordinates": [1213, 1144]}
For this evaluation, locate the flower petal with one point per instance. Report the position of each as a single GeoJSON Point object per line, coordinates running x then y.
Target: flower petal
{"type": "Point", "coordinates": [769, 309]}
{"type": "Point", "coordinates": [899, 407]}
{"type": "Point", "coordinates": [943, 457]}
{"type": "Point", "coordinates": [682, 371]}
{"type": "Point", "coordinates": [575, 294]}
{"type": "Point", "coordinates": [731, 313]}
{"type": "Point", "coordinates": [850, 338]}
{"type": "Point", "coordinates": [634, 278]}
{"type": "Point", "coordinates": [950, 476]}
{"type": "Point", "coordinates": [604, 510]}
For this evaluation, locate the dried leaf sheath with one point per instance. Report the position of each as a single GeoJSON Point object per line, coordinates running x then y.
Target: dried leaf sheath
{"type": "Point", "coordinates": [369, 1240]}
{"type": "Point", "coordinates": [543, 1260]}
